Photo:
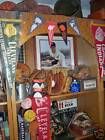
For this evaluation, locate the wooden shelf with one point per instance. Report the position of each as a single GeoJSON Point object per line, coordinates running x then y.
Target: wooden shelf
{"type": "Point", "coordinates": [71, 95]}
{"type": "Point", "coordinates": [19, 101]}
{"type": "Point", "coordinates": [3, 103]}
{"type": "Point", "coordinates": [66, 95]}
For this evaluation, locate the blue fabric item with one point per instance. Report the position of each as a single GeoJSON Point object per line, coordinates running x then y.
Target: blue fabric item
{"type": "Point", "coordinates": [75, 86]}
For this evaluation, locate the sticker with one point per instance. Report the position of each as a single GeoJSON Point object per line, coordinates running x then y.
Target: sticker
{"type": "Point", "coordinates": [29, 115]}
{"type": "Point", "coordinates": [10, 30]}
{"type": "Point", "coordinates": [26, 103]}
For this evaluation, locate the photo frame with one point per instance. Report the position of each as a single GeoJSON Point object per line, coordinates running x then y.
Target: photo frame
{"type": "Point", "coordinates": [43, 52]}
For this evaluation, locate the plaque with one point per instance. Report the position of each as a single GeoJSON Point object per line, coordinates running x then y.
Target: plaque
{"type": "Point", "coordinates": [88, 84]}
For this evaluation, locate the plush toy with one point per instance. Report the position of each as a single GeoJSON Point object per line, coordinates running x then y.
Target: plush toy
{"type": "Point", "coordinates": [23, 72]}
{"type": "Point", "coordinates": [81, 72]}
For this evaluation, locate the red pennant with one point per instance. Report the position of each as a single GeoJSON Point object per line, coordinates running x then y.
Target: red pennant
{"type": "Point", "coordinates": [51, 29]}
{"type": "Point", "coordinates": [43, 117]}
{"type": "Point", "coordinates": [99, 40]}
{"type": "Point", "coordinates": [63, 29]}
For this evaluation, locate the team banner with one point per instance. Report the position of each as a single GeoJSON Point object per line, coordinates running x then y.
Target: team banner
{"type": "Point", "coordinates": [73, 23]}
{"type": "Point", "coordinates": [63, 29]}
{"type": "Point", "coordinates": [51, 30]}
{"type": "Point", "coordinates": [98, 31]}
{"type": "Point", "coordinates": [36, 22]}
{"type": "Point", "coordinates": [9, 39]}
{"type": "Point", "coordinates": [42, 108]}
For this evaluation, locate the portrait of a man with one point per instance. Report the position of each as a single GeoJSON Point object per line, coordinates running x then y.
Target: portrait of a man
{"type": "Point", "coordinates": [57, 55]}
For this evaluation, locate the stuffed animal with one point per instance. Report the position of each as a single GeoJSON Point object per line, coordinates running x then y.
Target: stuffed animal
{"type": "Point", "coordinates": [23, 72]}
{"type": "Point", "coordinates": [81, 72]}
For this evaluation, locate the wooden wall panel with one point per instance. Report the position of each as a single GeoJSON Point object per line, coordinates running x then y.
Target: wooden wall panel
{"type": "Point", "coordinates": [27, 20]}
{"type": "Point", "coordinates": [29, 47]}
{"type": "Point", "coordinates": [89, 103]}
{"type": "Point", "coordinates": [86, 53]}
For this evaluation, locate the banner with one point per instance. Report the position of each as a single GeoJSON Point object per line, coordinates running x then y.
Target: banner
{"type": "Point", "coordinates": [36, 22]}
{"type": "Point", "coordinates": [51, 29]}
{"type": "Point", "coordinates": [98, 31]}
{"type": "Point", "coordinates": [63, 29]}
{"type": "Point", "coordinates": [9, 39]}
{"type": "Point", "coordinates": [73, 23]}
{"type": "Point", "coordinates": [42, 106]}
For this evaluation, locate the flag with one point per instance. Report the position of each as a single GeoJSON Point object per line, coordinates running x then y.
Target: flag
{"type": "Point", "coordinates": [36, 22]}
{"type": "Point", "coordinates": [42, 107]}
{"type": "Point", "coordinates": [98, 31]}
{"type": "Point", "coordinates": [73, 23]}
{"type": "Point", "coordinates": [63, 29]}
{"type": "Point", "coordinates": [51, 29]}
{"type": "Point", "coordinates": [9, 38]}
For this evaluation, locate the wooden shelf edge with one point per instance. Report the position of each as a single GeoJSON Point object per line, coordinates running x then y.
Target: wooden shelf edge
{"type": "Point", "coordinates": [66, 95]}
{"type": "Point", "coordinates": [3, 103]}
{"type": "Point", "coordinates": [71, 95]}
{"type": "Point", "coordinates": [19, 101]}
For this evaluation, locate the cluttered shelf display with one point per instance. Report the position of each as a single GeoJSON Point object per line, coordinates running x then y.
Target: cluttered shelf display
{"type": "Point", "coordinates": [64, 86]}
{"type": "Point", "coordinates": [59, 81]}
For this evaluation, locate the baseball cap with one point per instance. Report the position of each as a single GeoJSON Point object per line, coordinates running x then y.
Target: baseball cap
{"type": "Point", "coordinates": [53, 44]}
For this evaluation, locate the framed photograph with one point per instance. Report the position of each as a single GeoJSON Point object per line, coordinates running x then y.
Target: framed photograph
{"type": "Point", "coordinates": [60, 56]}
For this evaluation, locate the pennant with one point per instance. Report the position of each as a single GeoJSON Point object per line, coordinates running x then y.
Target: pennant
{"type": "Point", "coordinates": [36, 22]}
{"type": "Point", "coordinates": [73, 23]}
{"type": "Point", "coordinates": [98, 31]}
{"type": "Point", "coordinates": [21, 125]}
{"type": "Point", "coordinates": [9, 38]}
{"type": "Point", "coordinates": [51, 29]}
{"type": "Point", "coordinates": [42, 107]}
{"type": "Point", "coordinates": [63, 29]}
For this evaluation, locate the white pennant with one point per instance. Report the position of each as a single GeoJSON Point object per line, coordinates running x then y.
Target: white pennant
{"type": "Point", "coordinates": [37, 21]}
{"type": "Point", "coordinates": [73, 23]}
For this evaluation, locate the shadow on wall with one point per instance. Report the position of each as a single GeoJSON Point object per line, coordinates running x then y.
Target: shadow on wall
{"type": "Point", "coordinates": [68, 8]}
